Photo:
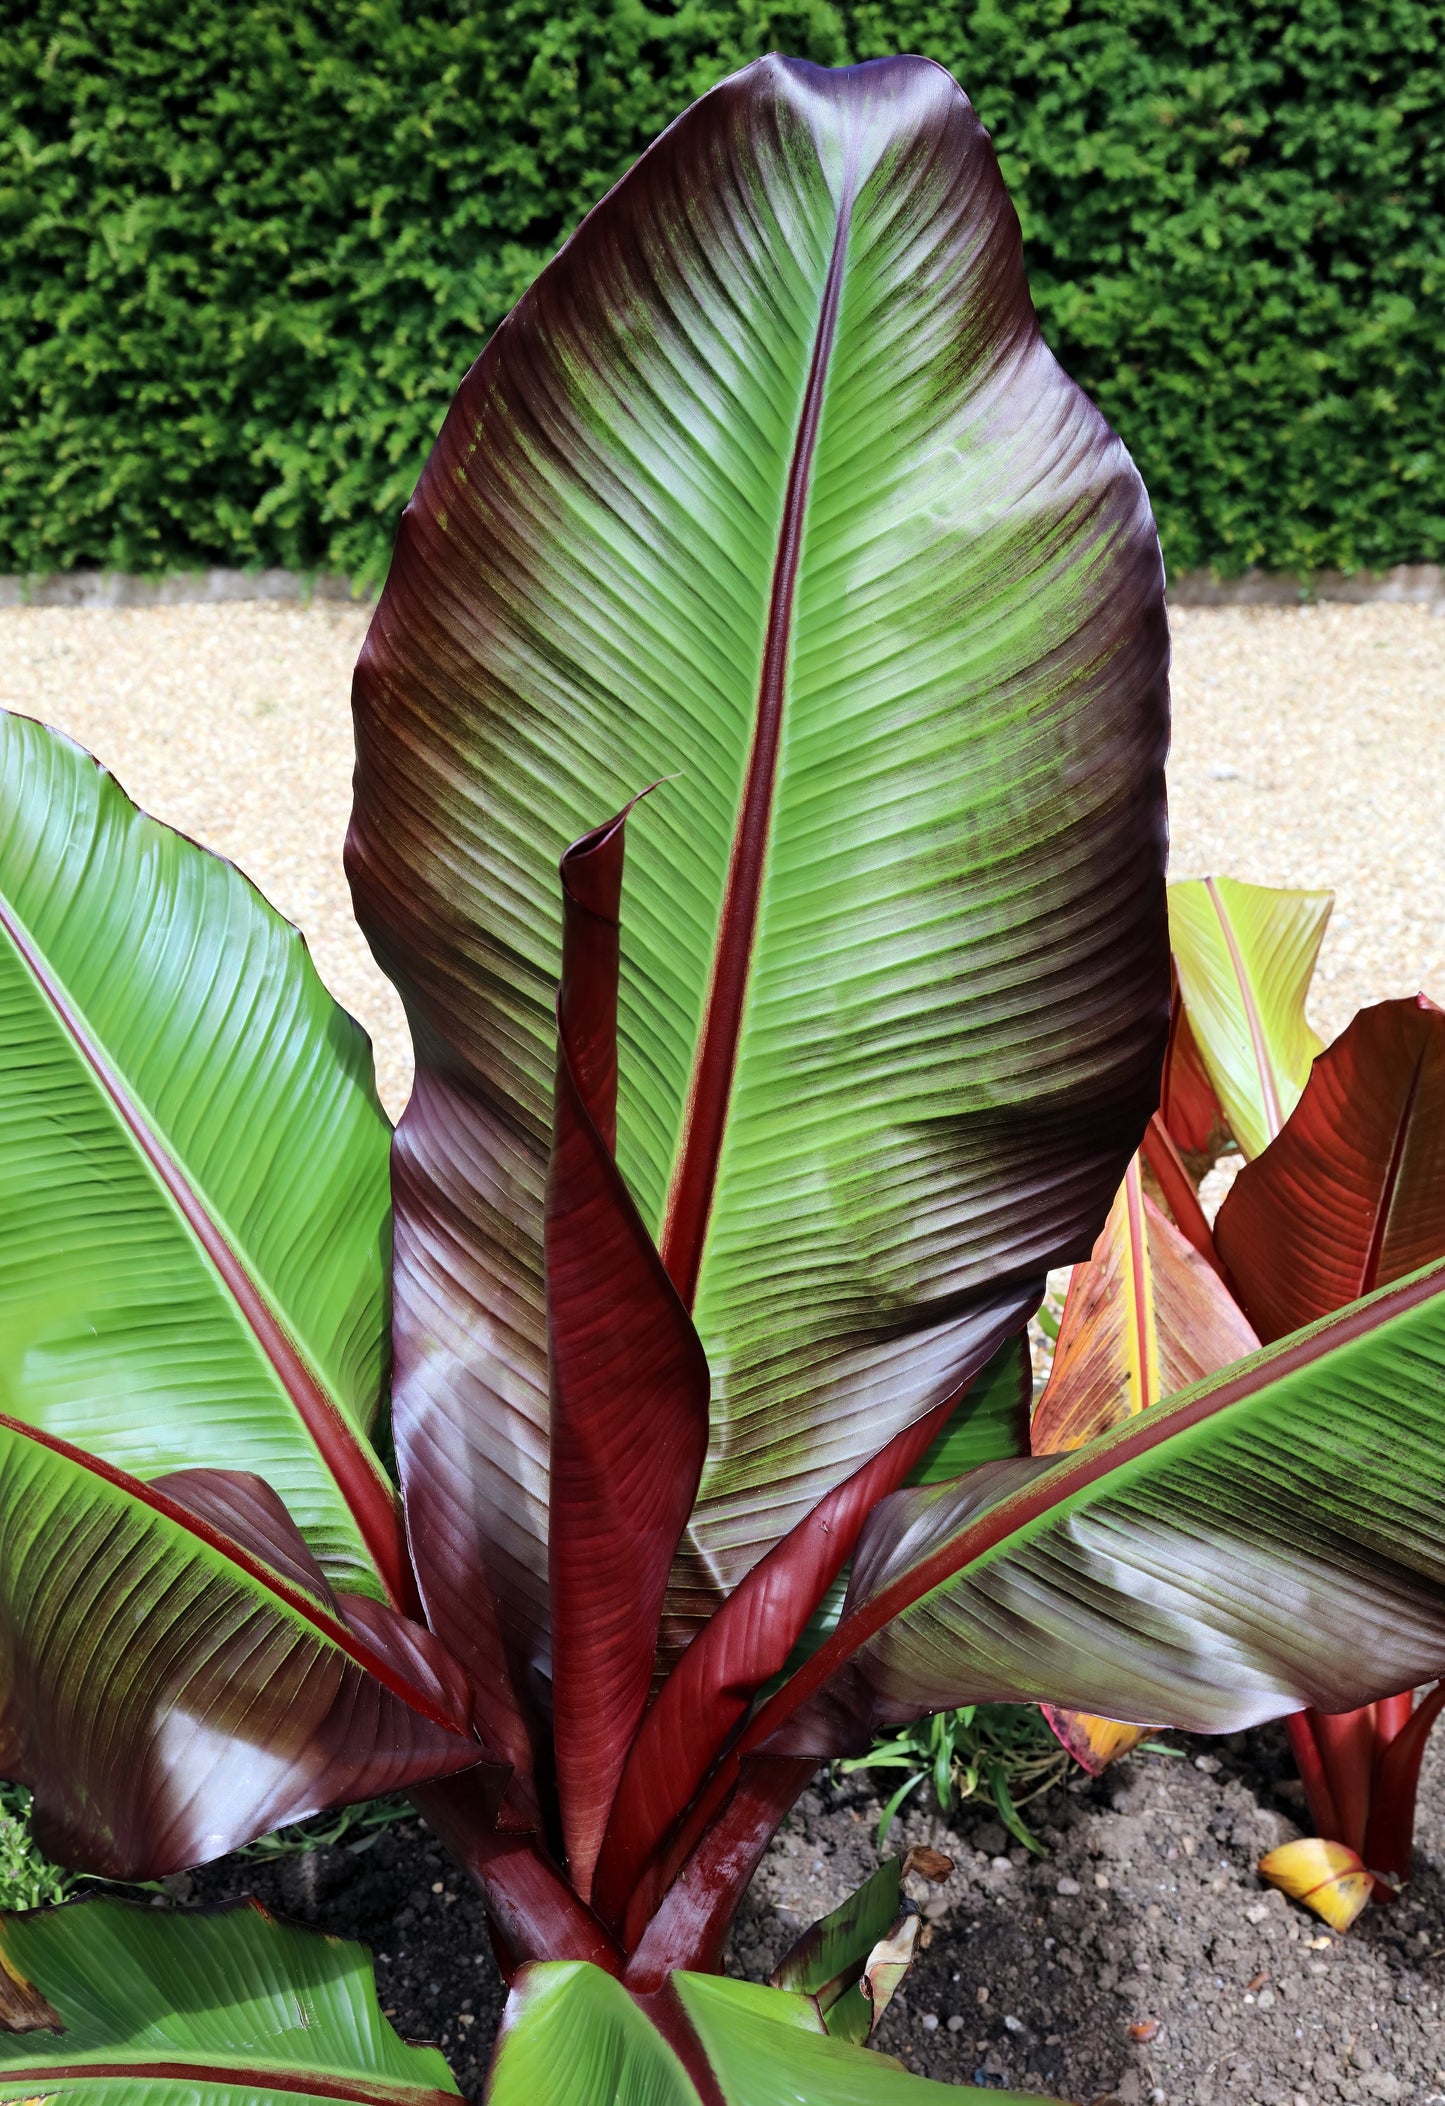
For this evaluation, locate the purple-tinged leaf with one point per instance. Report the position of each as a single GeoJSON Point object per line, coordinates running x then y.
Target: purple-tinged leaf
{"type": "Point", "coordinates": [168, 1690]}
{"type": "Point", "coordinates": [629, 1384]}
{"type": "Point", "coordinates": [1351, 1193]}
{"type": "Point", "coordinates": [769, 482]}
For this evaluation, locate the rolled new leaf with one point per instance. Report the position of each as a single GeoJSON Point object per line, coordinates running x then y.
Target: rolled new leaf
{"type": "Point", "coordinates": [164, 2008]}
{"type": "Point", "coordinates": [769, 483]}
{"type": "Point", "coordinates": [1351, 1194]}
{"type": "Point", "coordinates": [628, 1380]}
{"type": "Point", "coordinates": [1245, 955]}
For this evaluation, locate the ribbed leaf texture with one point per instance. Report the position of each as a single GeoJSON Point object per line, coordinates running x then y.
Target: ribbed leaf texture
{"type": "Point", "coordinates": [1267, 1540]}
{"type": "Point", "coordinates": [770, 486]}
{"type": "Point", "coordinates": [1245, 955]}
{"type": "Point", "coordinates": [194, 1222]}
{"type": "Point", "coordinates": [1145, 1317]}
{"type": "Point", "coordinates": [234, 2006]}
{"type": "Point", "coordinates": [572, 2036]}
{"type": "Point", "coordinates": [1351, 1195]}
{"type": "Point", "coordinates": [178, 1676]}
{"type": "Point", "coordinates": [200, 1552]}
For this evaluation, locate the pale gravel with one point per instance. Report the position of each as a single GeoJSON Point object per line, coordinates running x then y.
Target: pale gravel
{"type": "Point", "coordinates": [1309, 749]}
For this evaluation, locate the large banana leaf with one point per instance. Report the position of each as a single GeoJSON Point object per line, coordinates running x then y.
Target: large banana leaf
{"type": "Point", "coordinates": [1351, 1195]}
{"type": "Point", "coordinates": [1272, 1538]}
{"type": "Point", "coordinates": [193, 1166]}
{"type": "Point", "coordinates": [176, 1674]}
{"type": "Point", "coordinates": [573, 2036]}
{"type": "Point", "coordinates": [197, 1541]}
{"type": "Point", "coordinates": [1245, 955]}
{"type": "Point", "coordinates": [769, 486]}
{"type": "Point", "coordinates": [173, 2010]}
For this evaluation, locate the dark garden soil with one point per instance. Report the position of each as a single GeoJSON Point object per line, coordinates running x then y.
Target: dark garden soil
{"type": "Point", "coordinates": [1141, 1960]}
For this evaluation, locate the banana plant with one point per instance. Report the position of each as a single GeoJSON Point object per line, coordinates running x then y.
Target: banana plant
{"type": "Point", "coordinates": [688, 1293]}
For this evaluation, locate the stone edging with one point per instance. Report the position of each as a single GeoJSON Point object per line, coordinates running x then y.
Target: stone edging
{"type": "Point", "coordinates": [1421, 584]}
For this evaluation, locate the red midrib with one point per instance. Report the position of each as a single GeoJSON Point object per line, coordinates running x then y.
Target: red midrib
{"type": "Point", "coordinates": [1273, 1112]}
{"type": "Point", "coordinates": [689, 1201]}
{"type": "Point", "coordinates": [317, 2084]}
{"type": "Point", "coordinates": [295, 1597]}
{"type": "Point", "coordinates": [366, 1494]}
{"type": "Point", "coordinates": [1370, 1272]}
{"type": "Point", "coordinates": [1137, 1436]}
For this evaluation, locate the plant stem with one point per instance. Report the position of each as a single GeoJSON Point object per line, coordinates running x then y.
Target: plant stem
{"type": "Point", "coordinates": [534, 1911]}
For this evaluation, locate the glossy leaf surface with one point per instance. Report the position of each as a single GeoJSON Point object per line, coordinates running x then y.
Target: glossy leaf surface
{"type": "Point", "coordinates": [1352, 1193]}
{"type": "Point", "coordinates": [772, 2049]}
{"type": "Point", "coordinates": [177, 1676]}
{"type": "Point", "coordinates": [1270, 1539]}
{"type": "Point", "coordinates": [1244, 955]}
{"type": "Point", "coordinates": [176, 2009]}
{"type": "Point", "coordinates": [629, 1385]}
{"type": "Point", "coordinates": [1145, 1317]}
{"type": "Point", "coordinates": [572, 2036]}
{"type": "Point", "coordinates": [770, 486]}
{"type": "Point", "coordinates": [193, 1166]}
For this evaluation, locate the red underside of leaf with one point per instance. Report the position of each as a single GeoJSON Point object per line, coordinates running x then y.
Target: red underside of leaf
{"type": "Point", "coordinates": [1351, 1195]}
{"type": "Point", "coordinates": [746, 1643]}
{"type": "Point", "coordinates": [629, 1384]}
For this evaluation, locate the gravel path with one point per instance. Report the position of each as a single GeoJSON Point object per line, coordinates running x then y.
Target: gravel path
{"type": "Point", "coordinates": [1308, 751]}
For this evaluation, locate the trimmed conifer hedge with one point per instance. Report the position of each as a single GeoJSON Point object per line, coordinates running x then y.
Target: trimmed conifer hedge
{"type": "Point", "coordinates": [247, 249]}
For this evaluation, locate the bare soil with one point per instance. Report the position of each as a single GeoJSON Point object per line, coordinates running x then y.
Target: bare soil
{"type": "Point", "coordinates": [1141, 1960]}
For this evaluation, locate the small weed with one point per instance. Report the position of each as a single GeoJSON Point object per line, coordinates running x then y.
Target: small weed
{"type": "Point", "coordinates": [1005, 1751]}
{"type": "Point", "coordinates": [27, 1880]}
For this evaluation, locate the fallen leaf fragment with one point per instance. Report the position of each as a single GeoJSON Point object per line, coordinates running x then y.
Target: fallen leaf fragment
{"type": "Point", "coordinates": [931, 1865]}
{"type": "Point", "coordinates": [1327, 1877]}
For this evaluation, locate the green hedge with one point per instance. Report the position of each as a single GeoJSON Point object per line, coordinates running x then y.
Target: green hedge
{"type": "Point", "coordinates": [247, 249]}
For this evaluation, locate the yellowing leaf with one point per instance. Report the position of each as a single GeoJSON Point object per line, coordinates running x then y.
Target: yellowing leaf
{"type": "Point", "coordinates": [1145, 1317]}
{"type": "Point", "coordinates": [1244, 955]}
{"type": "Point", "coordinates": [1327, 1877]}
{"type": "Point", "coordinates": [1093, 1742]}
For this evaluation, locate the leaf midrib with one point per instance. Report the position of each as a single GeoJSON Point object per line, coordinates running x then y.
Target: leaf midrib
{"type": "Point", "coordinates": [1074, 1474]}
{"type": "Point", "coordinates": [686, 1215]}
{"type": "Point", "coordinates": [250, 2076]}
{"type": "Point", "coordinates": [357, 1477]}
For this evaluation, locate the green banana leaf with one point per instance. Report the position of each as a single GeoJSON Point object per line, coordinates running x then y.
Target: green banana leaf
{"type": "Point", "coordinates": [130, 2004]}
{"type": "Point", "coordinates": [770, 487]}
{"type": "Point", "coordinates": [1245, 955]}
{"type": "Point", "coordinates": [573, 2036]}
{"type": "Point", "coordinates": [200, 1552]}
{"type": "Point", "coordinates": [1270, 1538]}
{"type": "Point", "coordinates": [193, 1166]}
